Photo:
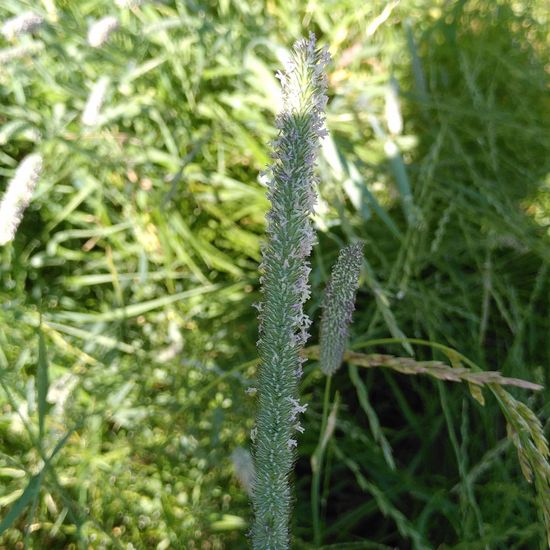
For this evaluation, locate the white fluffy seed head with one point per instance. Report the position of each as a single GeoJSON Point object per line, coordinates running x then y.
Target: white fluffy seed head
{"type": "Point", "coordinates": [92, 110]}
{"type": "Point", "coordinates": [21, 24]}
{"type": "Point", "coordinates": [129, 3]}
{"type": "Point", "coordinates": [18, 195]}
{"type": "Point", "coordinates": [394, 120]}
{"type": "Point", "coordinates": [19, 51]}
{"type": "Point", "coordinates": [100, 30]}
{"type": "Point", "coordinates": [244, 468]}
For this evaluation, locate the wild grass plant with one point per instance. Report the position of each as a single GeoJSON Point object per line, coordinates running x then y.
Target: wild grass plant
{"type": "Point", "coordinates": [285, 273]}
{"type": "Point", "coordinates": [140, 249]}
{"type": "Point", "coordinates": [283, 325]}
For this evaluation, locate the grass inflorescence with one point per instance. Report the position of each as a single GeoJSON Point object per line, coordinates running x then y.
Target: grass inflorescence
{"type": "Point", "coordinates": [136, 260]}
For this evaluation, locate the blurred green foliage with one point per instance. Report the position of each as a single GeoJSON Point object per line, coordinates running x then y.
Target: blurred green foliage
{"type": "Point", "coordinates": [140, 249]}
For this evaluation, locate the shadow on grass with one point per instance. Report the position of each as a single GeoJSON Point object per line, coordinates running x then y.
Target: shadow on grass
{"type": "Point", "coordinates": [477, 279]}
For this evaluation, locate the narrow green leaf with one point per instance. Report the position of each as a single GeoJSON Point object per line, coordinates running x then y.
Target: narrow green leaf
{"type": "Point", "coordinates": [402, 180]}
{"type": "Point", "coordinates": [374, 423]}
{"type": "Point", "coordinates": [136, 309]}
{"type": "Point", "coordinates": [42, 382]}
{"type": "Point", "coordinates": [420, 87]}
{"type": "Point", "coordinates": [29, 494]}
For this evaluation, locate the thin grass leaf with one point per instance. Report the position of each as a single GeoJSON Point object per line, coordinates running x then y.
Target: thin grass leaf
{"type": "Point", "coordinates": [42, 383]}
{"type": "Point", "coordinates": [404, 526]}
{"type": "Point", "coordinates": [372, 417]}
{"type": "Point", "coordinates": [328, 426]}
{"type": "Point", "coordinates": [29, 494]}
{"type": "Point", "coordinates": [136, 309]}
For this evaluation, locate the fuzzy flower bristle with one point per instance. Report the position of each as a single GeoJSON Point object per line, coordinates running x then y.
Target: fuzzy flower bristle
{"type": "Point", "coordinates": [92, 110]}
{"type": "Point", "coordinates": [338, 306]}
{"type": "Point", "coordinates": [99, 32]}
{"type": "Point", "coordinates": [21, 24]}
{"type": "Point", "coordinates": [18, 195]}
{"type": "Point", "coordinates": [284, 278]}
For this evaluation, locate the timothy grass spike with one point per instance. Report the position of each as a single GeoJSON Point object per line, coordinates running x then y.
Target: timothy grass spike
{"type": "Point", "coordinates": [18, 196]}
{"type": "Point", "coordinates": [285, 271]}
{"type": "Point", "coordinates": [338, 306]}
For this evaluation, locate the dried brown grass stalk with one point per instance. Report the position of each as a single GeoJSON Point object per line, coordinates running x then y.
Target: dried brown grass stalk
{"type": "Point", "coordinates": [436, 369]}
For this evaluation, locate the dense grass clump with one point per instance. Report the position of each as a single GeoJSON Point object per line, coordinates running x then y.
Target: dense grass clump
{"type": "Point", "coordinates": [127, 336]}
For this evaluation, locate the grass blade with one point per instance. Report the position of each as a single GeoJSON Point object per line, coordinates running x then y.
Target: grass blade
{"type": "Point", "coordinates": [42, 383]}
{"type": "Point", "coordinates": [29, 494]}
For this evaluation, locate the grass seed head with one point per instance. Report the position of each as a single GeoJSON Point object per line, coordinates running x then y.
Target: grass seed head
{"type": "Point", "coordinates": [18, 195]}
{"type": "Point", "coordinates": [21, 24]}
{"type": "Point", "coordinates": [338, 306]}
{"type": "Point", "coordinates": [99, 31]}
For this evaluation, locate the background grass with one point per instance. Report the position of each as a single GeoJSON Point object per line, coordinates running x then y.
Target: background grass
{"type": "Point", "coordinates": [140, 252]}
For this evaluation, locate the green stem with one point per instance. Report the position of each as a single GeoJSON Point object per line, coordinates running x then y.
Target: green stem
{"type": "Point", "coordinates": [316, 466]}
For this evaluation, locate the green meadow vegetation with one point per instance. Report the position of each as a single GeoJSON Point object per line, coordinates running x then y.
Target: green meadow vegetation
{"type": "Point", "coordinates": [127, 329]}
